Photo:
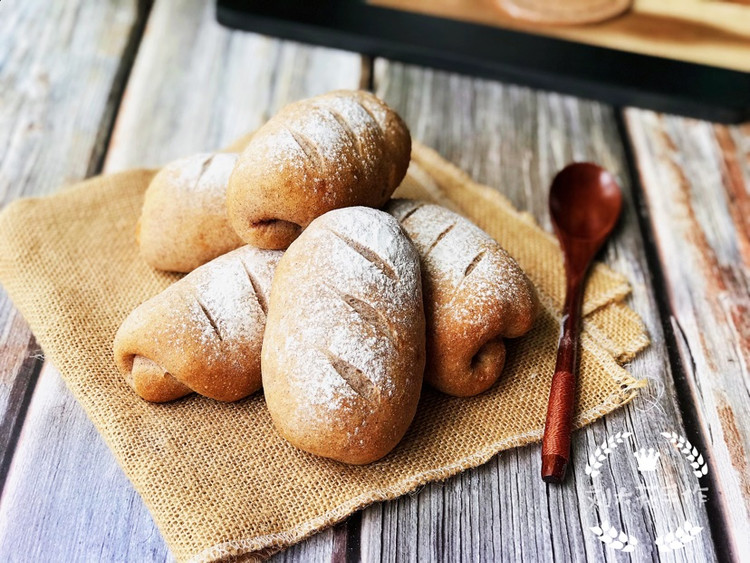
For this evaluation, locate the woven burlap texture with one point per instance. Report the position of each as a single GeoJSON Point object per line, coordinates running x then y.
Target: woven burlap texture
{"type": "Point", "coordinates": [218, 480]}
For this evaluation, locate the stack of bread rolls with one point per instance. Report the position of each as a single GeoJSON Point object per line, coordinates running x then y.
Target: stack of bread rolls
{"type": "Point", "coordinates": [307, 280]}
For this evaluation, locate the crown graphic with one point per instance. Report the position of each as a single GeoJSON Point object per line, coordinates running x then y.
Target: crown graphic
{"type": "Point", "coordinates": [647, 460]}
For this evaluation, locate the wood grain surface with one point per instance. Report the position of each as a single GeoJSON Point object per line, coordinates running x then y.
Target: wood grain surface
{"type": "Point", "coordinates": [65, 498]}
{"type": "Point", "coordinates": [213, 86]}
{"type": "Point", "coordinates": [61, 69]}
{"type": "Point", "coordinates": [515, 139]}
{"type": "Point", "coordinates": [696, 179]}
{"type": "Point", "coordinates": [195, 86]}
{"type": "Point", "coordinates": [713, 33]}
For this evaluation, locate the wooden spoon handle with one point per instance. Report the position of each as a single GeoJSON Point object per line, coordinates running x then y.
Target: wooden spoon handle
{"type": "Point", "coordinates": [557, 428]}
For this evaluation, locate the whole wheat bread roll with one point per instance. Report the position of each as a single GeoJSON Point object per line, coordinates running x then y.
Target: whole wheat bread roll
{"type": "Point", "coordinates": [337, 150]}
{"type": "Point", "coordinates": [184, 222]}
{"type": "Point", "coordinates": [203, 333]}
{"type": "Point", "coordinates": [343, 353]}
{"type": "Point", "coordinates": [474, 293]}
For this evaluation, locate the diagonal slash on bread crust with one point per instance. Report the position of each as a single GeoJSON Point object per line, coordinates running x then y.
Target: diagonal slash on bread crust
{"type": "Point", "coordinates": [369, 255]}
{"type": "Point", "coordinates": [354, 377]}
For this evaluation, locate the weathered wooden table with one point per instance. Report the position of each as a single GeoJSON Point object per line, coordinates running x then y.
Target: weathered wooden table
{"type": "Point", "coordinates": [88, 87]}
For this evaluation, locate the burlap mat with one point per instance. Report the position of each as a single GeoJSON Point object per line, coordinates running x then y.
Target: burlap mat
{"type": "Point", "coordinates": [218, 480]}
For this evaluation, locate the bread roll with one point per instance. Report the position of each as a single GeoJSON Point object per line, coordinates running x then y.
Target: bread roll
{"type": "Point", "coordinates": [184, 219]}
{"type": "Point", "coordinates": [337, 150]}
{"type": "Point", "coordinates": [343, 353]}
{"type": "Point", "coordinates": [203, 333]}
{"type": "Point", "coordinates": [475, 295]}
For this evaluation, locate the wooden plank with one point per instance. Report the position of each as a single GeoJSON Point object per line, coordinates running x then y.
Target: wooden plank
{"type": "Point", "coordinates": [696, 180]}
{"type": "Point", "coordinates": [326, 546]}
{"type": "Point", "coordinates": [20, 362]}
{"type": "Point", "coordinates": [62, 66]}
{"type": "Point", "coordinates": [515, 139]}
{"type": "Point", "coordinates": [716, 34]}
{"type": "Point", "coordinates": [66, 499]}
{"type": "Point", "coordinates": [214, 85]}
{"type": "Point", "coordinates": [195, 86]}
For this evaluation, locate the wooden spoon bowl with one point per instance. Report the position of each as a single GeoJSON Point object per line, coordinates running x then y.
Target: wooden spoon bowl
{"type": "Point", "coordinates": [585, 201]}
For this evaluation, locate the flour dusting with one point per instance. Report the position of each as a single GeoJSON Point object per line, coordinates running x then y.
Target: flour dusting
{"type": "Point", "coordinates": [319, 322]}
{"type": "Point", "coordinates": [468, 271]}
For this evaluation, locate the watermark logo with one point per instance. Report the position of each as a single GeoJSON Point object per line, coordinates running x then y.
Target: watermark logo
{"type": "Point", "coordinates": [647, 460]}
{"type": "Point", "coordinates": [691, 453]}
{"type": "Point", "coordinates": [597, 459]}
{"type": "Point", "coordinates": [679, 538]}
{"type": "Point", "coordinates": [648, 464]}
{"type": "Point", "coordinates": [613, 538]}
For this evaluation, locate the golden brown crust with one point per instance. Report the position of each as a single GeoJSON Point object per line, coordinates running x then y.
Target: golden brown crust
{"type": "Point", "coordinates": [203, 333]}
{"type": "Point", "coordinates": [153, 383]}
{"type": "Point", "coordinates": [184, 223]}
{"type": "Point", "coordinates": [343, 352]}
{"type": "Point", "coordinates": [337, 150]}
{"type": "Point", "coordinates": [475, 295]}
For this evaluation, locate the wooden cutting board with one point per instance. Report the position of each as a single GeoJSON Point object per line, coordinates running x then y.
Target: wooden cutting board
{"type": "Point", "coordinates": [715, 33]}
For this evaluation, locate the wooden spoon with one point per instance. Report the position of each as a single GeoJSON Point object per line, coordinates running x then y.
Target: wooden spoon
{"type": "Point", "coordinates": [585, 203]}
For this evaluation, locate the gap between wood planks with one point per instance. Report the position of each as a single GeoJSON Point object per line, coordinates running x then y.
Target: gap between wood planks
{"type": "Point", "coordinates": [20, 397]}
{"type": "Point", "coordinates": [28, 375]}
{"type": "Point", "coordinates": [695, 432]}
{"type": "Point", "coordinates": [347, 535]}
{"type": "Point", "coordinates": [351, 550]}
{"type": "Point", "coordinates": [120, 81]}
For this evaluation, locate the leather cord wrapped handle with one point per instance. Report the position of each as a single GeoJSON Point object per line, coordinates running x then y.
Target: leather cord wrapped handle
{"type": "Point", "coordinates": [557, 428]}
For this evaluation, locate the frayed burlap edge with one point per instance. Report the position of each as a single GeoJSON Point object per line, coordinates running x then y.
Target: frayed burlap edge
{"type": "Point", "coordinates": [262, 546]}
{"type": "Point", "coordinates": [259, 548]}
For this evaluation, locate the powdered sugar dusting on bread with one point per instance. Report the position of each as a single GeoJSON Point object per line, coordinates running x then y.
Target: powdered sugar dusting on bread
{"type": "Point", "coordinates": [350, 253]}
{"type": "Point", "coordinates": [226, 293]}
{"type": "Point", "coordinates": [224, 312]}
{"type": "Point", "coordinates": [464, 261]}
{"type": "Point", "coordinates": [202, 172]}
{"type": "Point", "coordinates": [217, 171]}
{"type": "Point", "coordinates": [327, 139]}
{"type": "Point", "coordinates": [206, 329]}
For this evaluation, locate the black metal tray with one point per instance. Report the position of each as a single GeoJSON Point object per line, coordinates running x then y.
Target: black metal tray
{"type": "Point", "coordinates": [616, 77]}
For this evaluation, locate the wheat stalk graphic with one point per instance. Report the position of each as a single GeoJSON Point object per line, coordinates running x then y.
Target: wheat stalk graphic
{"type": "Point", "coordinates": [596, 460]}
{"type": "Point", "coordinates": [614, 538]}
{"type": "Point", "coordinates": [679, 538]}
{"type": "Point", "coordinates": [690, 452]}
